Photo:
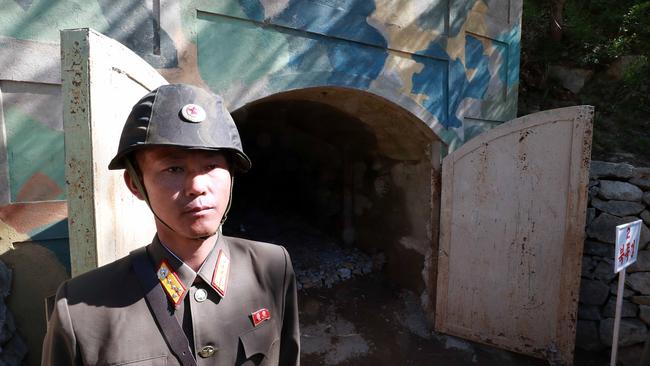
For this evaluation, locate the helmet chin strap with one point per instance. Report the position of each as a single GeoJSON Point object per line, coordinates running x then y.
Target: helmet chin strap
{"type": "Point", "coordinates": [139, 185]}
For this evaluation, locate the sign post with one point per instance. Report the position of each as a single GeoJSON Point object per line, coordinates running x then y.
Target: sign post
{"type": "Point", "coordinates": [627, 249]}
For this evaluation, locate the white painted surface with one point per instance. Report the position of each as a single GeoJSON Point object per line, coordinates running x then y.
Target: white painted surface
{"type": "Point", "coordinates": [512, 228]}
{"type": "Point", "coordinates": [627, 244]}
{"type": "Point", "coordinates": [102, 80]}
{"type": "Point", "coordinates": [30, 61]}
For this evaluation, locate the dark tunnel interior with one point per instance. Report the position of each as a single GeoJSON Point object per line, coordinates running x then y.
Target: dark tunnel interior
{"type": "Point", "coordinates": [321, 187]}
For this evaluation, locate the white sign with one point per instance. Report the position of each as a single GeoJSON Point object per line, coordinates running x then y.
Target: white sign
{"type": "Point", "coordinates": [627, 244]}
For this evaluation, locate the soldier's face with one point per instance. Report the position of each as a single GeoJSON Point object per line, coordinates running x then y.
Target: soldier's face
{"type": "Point", "coordinates": [188, 189]}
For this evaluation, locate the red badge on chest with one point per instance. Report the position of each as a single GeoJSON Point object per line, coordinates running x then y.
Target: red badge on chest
{"type": "Point", "coordinates": [260, 316]}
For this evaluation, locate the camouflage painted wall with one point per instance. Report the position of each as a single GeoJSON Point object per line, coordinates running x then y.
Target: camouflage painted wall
{"type": "Point", "coordinates": [452, 64]}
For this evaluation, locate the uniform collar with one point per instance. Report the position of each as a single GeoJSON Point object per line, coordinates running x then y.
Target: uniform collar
{"type": "Point", "coordinates": [160, 253]}
{"type": "Point", "coordinates": [209, 268]}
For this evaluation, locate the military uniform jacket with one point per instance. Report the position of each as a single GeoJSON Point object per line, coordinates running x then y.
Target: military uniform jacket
{"type": "Point", "coordinates": [102, 318]}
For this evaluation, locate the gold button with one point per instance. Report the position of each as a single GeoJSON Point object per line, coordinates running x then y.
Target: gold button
{"type": "Point", "coordinates": [207, 351]}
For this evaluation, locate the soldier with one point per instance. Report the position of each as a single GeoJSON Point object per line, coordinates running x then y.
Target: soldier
{"type": "Point", "coordinates": [192, 296]}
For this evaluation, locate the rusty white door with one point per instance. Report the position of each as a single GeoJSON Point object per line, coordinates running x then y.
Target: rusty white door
{"type": "Point", "coordinates": [512, 227]}
{"type": "Point", "coordinates": [101, 80]}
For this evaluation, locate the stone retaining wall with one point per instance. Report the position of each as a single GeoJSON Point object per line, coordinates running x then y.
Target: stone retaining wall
{"type": "Point", "coordinates": [618, 193]}
{"type": "Point", "coordinates": [12, 348]}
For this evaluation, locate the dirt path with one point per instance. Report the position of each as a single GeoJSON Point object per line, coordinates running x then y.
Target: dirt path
{"type": "Point", "coordinates": [364, 322]}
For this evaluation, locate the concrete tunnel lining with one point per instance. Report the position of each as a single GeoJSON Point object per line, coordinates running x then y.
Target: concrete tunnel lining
{"type": "Point", "coordinates": [354, 168]}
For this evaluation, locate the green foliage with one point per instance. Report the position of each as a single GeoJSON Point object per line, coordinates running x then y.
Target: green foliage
{"type": "Point", "coordinates": [635, 31]}
{"type": "Point", "coordinates": [596, 34]}
{"type": "Point", "coordinates": [593, 26]}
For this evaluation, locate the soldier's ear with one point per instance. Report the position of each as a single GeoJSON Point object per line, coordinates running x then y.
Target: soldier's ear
{"type": "Point", "coordinates": [128, 180]}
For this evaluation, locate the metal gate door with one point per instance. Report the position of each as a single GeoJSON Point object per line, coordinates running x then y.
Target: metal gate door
{"type": "Point", "coordinates": [512, 227]}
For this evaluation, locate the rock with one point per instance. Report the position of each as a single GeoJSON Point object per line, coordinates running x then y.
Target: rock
{"type": "Point", "coordinates": [613, 289]}
{"type": "Point", "coordinates": [593, 192]}
{"type": "Point", "coordinates": [645, 216]}
{"type": "Point", "coordinates": [631, 331]}
{"type": "Point", "coordinates": [602, 169]}
{"type": "Point", "coordinates": [13, 352]}
{"type": "Point", "coordinates": [589, 312]}
{"type": "Point", "coordinates": [619, 66]}
{"type": "Point", "coordinates": [643, 183]}
{"type": "Point", "coordinates": [588, 266]}
{"type": "Point", "coordinates": [644, 313]}
{"type": "Point", "coordinates": [598, 249]}
{"type": "Point", "coordinates": [618, 208]}
{"type": "Point", "coordinates": [642, 172]}
{"type": "Point", "coordinates": [331, 280]}
{"type": "Point", "coordinates": [367, 267]}
{"type": "Point", "coordinates": [628, 309]}
{"type": "Point", "coordinates": [378, 261]}
{"type": "Point", "coordinates": [644, 238]}
{"type": "Point", "coordinates": [603, 228]}
{"type": "Point", "coordinates": [344, 273]}
{"type": "Point", "coordinates": [9, 328]}
{"type": "Point", "coordinates": [591, 215]}
{"type": "Point", "coordinates": [587, 336]}
{"type": "Point", "coordinates": [646, 198]}
{"type": "Point", "coordinates": [639, 281]}
{"type": "Point", "coordinates": [641, 300]}
{"type": "Point", "coordinates": [605, 270]}
{"type": "Point", "coordinates": [593, 292]}
{"type": "Point", "coordinates": [630, 356]}
{"type": "Point", "coordinates": [570, 78]}
{"type": "Point", "coordinates": [620, 191]}
{"type": "Point", "coordinates": [642, 263]}
{"type": "Point", "coordinates": [3, 317]}
{"type": "Point", "coordinates": [5, 280]}
{"type": "Point", "coordinates": [458, 344]}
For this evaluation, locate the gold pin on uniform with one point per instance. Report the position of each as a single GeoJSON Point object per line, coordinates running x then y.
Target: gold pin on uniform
{"type": "Point", "coordinates": [171, 283]}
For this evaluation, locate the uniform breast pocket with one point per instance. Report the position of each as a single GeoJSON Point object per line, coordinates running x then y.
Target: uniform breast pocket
{"type": "Point", "coordinates": [147, 361]}
{"type": "Point", "coordinates": [260, 345]}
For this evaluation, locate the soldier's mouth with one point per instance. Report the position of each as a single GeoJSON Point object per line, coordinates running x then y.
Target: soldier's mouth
{"type": "Point", "coordinates": [199, 210]}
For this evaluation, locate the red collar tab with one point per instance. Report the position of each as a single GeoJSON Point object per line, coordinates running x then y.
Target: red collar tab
{"type": "Point", "coordinates": [221, 273]}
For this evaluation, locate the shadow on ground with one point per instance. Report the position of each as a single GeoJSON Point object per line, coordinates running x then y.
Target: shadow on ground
{"type": "Point", "coordinates": [364, 321]}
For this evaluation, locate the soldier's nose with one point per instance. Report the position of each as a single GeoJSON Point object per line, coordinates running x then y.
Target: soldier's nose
{"type": "Point", "coordinates": [196, 185]}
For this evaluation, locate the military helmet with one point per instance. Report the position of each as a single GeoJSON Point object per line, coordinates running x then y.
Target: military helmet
{"type": "Point", "coordinates": [183, 116]}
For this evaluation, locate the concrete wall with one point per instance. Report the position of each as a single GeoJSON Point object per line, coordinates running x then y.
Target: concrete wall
{"type": "Point", "coordinates": [452, 65]}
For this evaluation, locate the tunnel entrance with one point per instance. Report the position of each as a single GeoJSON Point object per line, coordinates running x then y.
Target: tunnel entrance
{"type": "Point", "coordinates": [343, 179]}
{"type": "Point", "coordinates": [300, 192]}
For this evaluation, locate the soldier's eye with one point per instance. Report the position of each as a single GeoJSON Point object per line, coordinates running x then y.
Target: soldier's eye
{"type": "Point", "coordinates": [174, 169]}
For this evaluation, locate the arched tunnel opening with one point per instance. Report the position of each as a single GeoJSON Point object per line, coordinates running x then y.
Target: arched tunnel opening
{"type": "Point", "coordinates": [329, 183]}
{"type": "Point", "coordinates": [346, 183]}
{"type": "Point", "coordinates": [299, 194]}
